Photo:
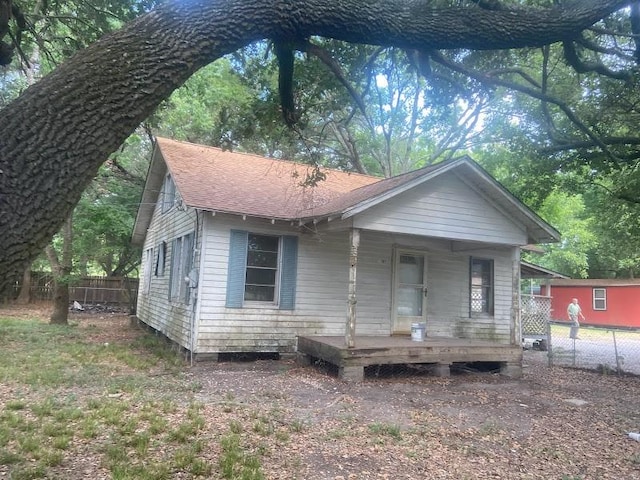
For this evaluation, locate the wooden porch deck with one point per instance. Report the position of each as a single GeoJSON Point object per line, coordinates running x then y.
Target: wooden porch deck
{"type": "Point", "coordinates": [400, 349]}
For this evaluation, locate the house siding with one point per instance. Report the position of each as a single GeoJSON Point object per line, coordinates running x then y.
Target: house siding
{"type": "Point", "coordinates": [448, 284]}
{"type": "Point", "coordinates": [318, 308]}
{"type": "Point", "coordinates": [172, 318]}
{"type": "Point", "coordinates": [321, 290]}
{"type": "Point", "coordinates": [445, 207]}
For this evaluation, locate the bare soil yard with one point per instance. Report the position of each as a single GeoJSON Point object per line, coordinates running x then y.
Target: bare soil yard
{"type": "Point", "coordinates": [303, 423]}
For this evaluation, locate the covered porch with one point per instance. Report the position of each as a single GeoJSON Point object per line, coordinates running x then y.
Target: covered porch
{"type": "Point", "coordinates": [352, 352]}
{"type": "Point", "coordinates": [441, 352]}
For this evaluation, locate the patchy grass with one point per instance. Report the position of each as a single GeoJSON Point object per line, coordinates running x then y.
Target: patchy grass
{"type": "Point", "coordinates": [97, 399]}
{"type": "Point", "coordinates": [235, 463]}
{"type": "Point", "coordinates": [385, 429]}
{"type": "Point", "coordinates": [102, 399]}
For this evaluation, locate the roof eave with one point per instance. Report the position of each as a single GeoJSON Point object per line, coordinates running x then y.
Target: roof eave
{"type": "Point", "coordinates": [542, 272]}
{"type": "Point", "coordinates": [150, 193]}
{"type": "Point", "coordinates": [544, 233]}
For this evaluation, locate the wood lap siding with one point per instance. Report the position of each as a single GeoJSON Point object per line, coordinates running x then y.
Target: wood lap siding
{"type": "Point", "coordinates": [318, 308]}
{"type": "Point", "coordinates": [448, 301]}
{"type": "Point", "coordinates": [445, 208]}
{"type": "Point", "coordinates": [321, 290]}
{"type": "Point", "coordinates": [170, 318]}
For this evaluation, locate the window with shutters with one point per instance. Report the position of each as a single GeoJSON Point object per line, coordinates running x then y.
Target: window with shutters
{"type": "Point", "coordinates": [262, 270]}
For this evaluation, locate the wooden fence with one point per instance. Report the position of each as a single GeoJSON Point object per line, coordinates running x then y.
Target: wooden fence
{"type": "Point", "coordinates": [86, 290]}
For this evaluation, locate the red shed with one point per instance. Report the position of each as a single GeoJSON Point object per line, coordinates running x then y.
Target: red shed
{"type": "Point", "coordinates": [608, 302]}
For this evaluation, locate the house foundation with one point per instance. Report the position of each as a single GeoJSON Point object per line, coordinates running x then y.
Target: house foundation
{"type": "Point", "coordinates": [397, 350]}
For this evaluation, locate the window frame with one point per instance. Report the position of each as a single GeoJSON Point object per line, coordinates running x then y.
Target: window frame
{"type": "Point", "coordinates": [286, 275]}
{"type": "Point", "coordinates": [595, 299]}
{"type": "Point", "coordinates": [486, 289]}
{"type": "Point", "coordinates": [161, 256]}
{"type": "Point", "coordinates": [278, 271]}
{"type": "Point", "coordinates": [148, 270]}
{"type": "Point", "coordinates": [168, 193]}
{"type": "Point", "coordinates": [182, 253]}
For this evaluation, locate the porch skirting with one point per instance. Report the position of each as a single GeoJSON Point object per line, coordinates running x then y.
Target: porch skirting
{"type": "Point", "coordinates": [395, 350]}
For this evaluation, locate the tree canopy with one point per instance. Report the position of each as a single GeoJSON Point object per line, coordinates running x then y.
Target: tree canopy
{"type": "Point", "coordinates": [59, 131]}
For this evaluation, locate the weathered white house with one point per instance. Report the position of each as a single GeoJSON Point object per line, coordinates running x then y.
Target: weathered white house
{"type": "Point", "coordinates": [248, 254]}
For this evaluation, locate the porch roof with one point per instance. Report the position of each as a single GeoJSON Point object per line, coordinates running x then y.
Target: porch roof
{"type": "Point", "coordinates": [530, 270]}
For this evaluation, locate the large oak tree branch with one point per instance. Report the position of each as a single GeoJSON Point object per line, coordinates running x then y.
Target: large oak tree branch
{"type": "Point", "coordinates": [59, 131]}
{"type": "Point", "coordinates": [534, 93]}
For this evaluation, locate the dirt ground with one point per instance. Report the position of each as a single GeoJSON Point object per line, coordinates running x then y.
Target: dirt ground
{"type": "Point", "coordinates": [554, 423]}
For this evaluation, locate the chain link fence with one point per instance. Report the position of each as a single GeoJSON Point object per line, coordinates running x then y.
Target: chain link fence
{"type": "Point", "coordinates": [605, 349]}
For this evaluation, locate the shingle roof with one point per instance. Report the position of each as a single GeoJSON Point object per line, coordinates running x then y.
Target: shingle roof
{"type": "Point", "coordinates": [212, 179]}
{"type": "Point", "coordinates": [243, 184]}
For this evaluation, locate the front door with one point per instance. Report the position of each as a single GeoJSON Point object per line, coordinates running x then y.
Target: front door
{"type": "Point", "coordinates": [410, 292]}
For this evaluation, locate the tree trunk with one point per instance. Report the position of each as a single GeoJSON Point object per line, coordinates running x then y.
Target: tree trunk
{"type": "Point", "coordinates": [60, 314]}
{"type": "Point", "coordinates": [59, 131]}
{"type": "Point", "coordinates": [61, 269]}
{"type": "Point", "coordinates": [25, 290]}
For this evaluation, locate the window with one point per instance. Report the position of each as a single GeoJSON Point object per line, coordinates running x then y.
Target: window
{"type": "Point", "coordinates": [168, 193]}
{"type": "Point", "coordinates": [181, 262]}
{"type": "Point", "coordinates": [262, 270]}
{"type": "Point", "coordinates": [160, 256]}
{"type": "Point", "coordinates": [481, 300]}
{"type": "Point", "coordinates": [599, 298]}
{"type": "Point", "coordinates": [148, 269]}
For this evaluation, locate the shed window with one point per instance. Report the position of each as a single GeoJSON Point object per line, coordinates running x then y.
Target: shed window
{"type": "Point", "coordinates": [481, 298]}
{"type": "Point", "coordinates": [599, 298]}
{"type": "Point", "coordinates": [262, 270]}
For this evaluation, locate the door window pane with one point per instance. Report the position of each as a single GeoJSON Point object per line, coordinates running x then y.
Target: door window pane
{"type": "Point", "coordinates": [411, 270]}
{"type": "Point", "coordinates": [409, 295]}
{"type": "Point", "coordinates": [409, 301]}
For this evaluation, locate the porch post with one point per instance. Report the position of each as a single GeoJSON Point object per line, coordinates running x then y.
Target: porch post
{"type": "Point", "coordinates": [516, 332]}
{"type": "Point", "coordinates": [350, 330]}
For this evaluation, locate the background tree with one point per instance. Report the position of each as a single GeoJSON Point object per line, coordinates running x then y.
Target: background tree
{"type": "Point", "coordinates": [103, 219]}
{"type": "Point", "coordinates": [570, 256]}
{"type": "Point", "coordinates": [58, 132]}
{"type": "Point", "coordinates": [61, 267]}
{"type": "Point", "coordinates": [616, 224]}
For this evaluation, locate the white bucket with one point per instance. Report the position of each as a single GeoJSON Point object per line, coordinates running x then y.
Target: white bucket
{"type": "Point", "coordinates": [418, 331]}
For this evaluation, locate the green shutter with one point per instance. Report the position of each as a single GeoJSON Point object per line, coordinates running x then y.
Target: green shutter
{"type": "Point", "coordinates": [237, 267]}
{"type": "Point", "coordinates": [289, 272]}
